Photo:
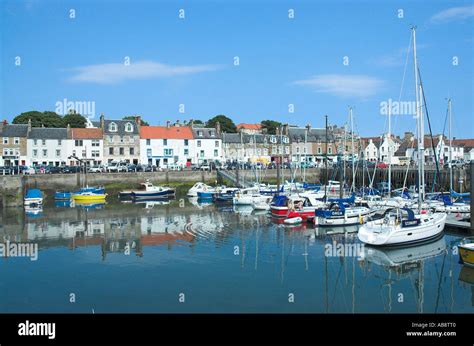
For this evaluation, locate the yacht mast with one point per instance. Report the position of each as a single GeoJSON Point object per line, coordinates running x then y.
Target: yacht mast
{"type": "Point", "coordinates": [450, 150]}
{"type": "Point", "coordinates": [352, 151]}
{"type": "Point", "coordinates": [389, 151]}
{"type": "Point", "coordinates": [418, 123]}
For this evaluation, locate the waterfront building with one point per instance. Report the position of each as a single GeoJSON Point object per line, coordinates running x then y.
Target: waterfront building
{"type": "Point", "coordinates": [250, 129]}
{"type": "Point", "coordinates": [87, 144]}
{"type": "Point", "coordinates": [163, 146]}
{"type": "Point", "coordinates": [467, 146]}
{"type": "Point", "coordinates": [49, 146]}
{"type": "Point", "coordinates": [207, 144]}
{"type": "Point", "coordinates": [121, 141]}
{"type": "Point", "coordinates": [13, 144]}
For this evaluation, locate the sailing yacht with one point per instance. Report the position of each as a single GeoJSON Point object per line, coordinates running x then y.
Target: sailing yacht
{"type": "Point", "coordinates": [401, 226]}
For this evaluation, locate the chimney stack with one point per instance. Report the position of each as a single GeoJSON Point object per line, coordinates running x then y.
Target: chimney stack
{"type": "Point", "coordinates": [29, 125]}
{"type": "Point", "coordinates": [2, 125]}
{"type": "Point", "coordinates": [277, 131]}
{"type": "Point", "coordinates": [178, 124]}
{"type": "Point", "coordinates": [168, 124]}
{"type": "Point", "coordinates": [68, 131]}
{"type": "Point", "coordinates": [138, 120]}
{"type": "Point", "coordinates": [102, 121]}
{"type": "Point", "coordinates": [218, 128]}
{"type": "Point", "coordinates": [185, 122]}
{"type": "Point", "coordinates": [191, 122]}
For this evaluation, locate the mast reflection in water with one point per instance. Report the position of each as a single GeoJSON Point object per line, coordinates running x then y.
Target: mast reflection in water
{"type": "Point", "coordinates": [140, 258]}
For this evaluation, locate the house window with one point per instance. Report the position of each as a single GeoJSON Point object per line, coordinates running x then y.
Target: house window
{"type": "Point", "coordinates": [265, 152]}
{"type": "Point", "coordinates": [121, 139]}
{"type": "Point", "coordinates": [165, 142]}
{"type": "Point", "coordinates": [84, 153]}
{"type": "Point", "coordinates": [35, 152]}
{"type": "Point", "coordinates": [212, 133]}
{"type": "Point", "coordinates": [43, 141]}
{"type": "Point", "coordinates": [297, 150]}
{"type": "Point", "coordinates": [132, 151]}
{"type": "Point", "coordinates": [45, 152]}
{"type": "Point", "coordinates": [319, 150]}
{"type": "Point", "coordinates": [329, 150]}
{"type": "Point", "coordinates": [121, 151]}
{"type": "Point", "coordinates": [186, 142]}
{"type": "Point", "coordinates": [148, 142]}
{"type": "Point", "coordinates": [216, 144]}
{"type": "Point", "coordinates": [199, 133]}
{"type": "Point", "coordinates": [35, 142]}
{"type": "Point", "coordinates": [16, 140]}
{"type": "Point", "coordinates": [286, 139]}
{"type": "Point", "coordinates": [128, 127]}
{"type": "Point", "coordinates": [216, 153]}
{"type": "Point", "coordinates": [287, 150]}
{"type": "Point", "coordinates": [304, 150]}
{"type": "Point", "coordinates": [95, 143]}
{"type": "Point", "coordinates": [113, 127]}
{"type": "Point", "coordinates": [186, 152]}
{"type": "Point", "coordinates": [58, 153]}
{"type": "Point", "coordinates": [274, 149]}
{"type": "Point", "coordinates": [198, 143]}
{"type": "Point", "coordinates": [78, 142]}
{"type": "Point", "coordinates": [273, 139]}
{"type": "Point", "coordinates": [111, 151]}
{"type": "Point", "coordinates": [148, 153]}
{"type": "Point", "coordinates": [168, 152]}
{"type": "Point", "coordinates": [111, 139]}
{"type": "Point", "coordinates": [95, 153]}
{"type": "Point", "coordinates": [5, 140]}
{"type": "Point", "coordinates": [202, 153]}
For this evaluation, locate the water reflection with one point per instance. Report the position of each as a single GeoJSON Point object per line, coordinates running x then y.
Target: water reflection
{"type": "Point", "coordinates": [232, 259]}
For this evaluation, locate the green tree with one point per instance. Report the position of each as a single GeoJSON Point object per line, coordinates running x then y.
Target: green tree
{"type": "Point", "coordinates": [197, 121]}
{"type": "Point", "coordinates": [227, 125]}
{"type": "Point", "coordinates": [131, 117]}
{"type": "Point", "coordinates": [38, 119]}
{"type": "Point", "coordinates": [270, 126]}
{"type": "Point", "coordinates": [74, 120]}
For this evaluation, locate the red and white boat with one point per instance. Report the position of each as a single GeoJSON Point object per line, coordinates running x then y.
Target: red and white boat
{"type": "Point", "coordinates": [303, 204]}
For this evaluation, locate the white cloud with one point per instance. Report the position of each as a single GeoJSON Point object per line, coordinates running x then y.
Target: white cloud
{"type": "Point", "coordinates": [361, 86]}
{"type": "Point", "coordinates": [118, 72]}
{"type": "Point", "coordinates": [453, 13]}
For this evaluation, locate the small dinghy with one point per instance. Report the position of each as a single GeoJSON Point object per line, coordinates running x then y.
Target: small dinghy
{"type": "Point", "coordinates": [33, 197]}
{"type": "Point", "coordinates": [293, 219]}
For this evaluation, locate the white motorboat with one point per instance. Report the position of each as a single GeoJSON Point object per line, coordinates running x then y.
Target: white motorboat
{"type": "Point", "coordinates": [400, 226]}
{"type": "Point", "coordinates": [150, 191]}
{"type": "Point", "coordinates": [262, 204]}
{"type": "Point", "coordinates": [342, 214]}
{"type": "Point", "coordinates": [248, 197]}
{"type": "Point", "coordinates": [199, 187]}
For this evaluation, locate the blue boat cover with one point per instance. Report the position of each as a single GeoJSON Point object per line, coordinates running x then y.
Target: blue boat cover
{"type": "Point", "coordinates": [34, 193]}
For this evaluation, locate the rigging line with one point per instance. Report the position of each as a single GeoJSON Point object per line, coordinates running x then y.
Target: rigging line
{"type": "Point", "coordinates": [431, 132]}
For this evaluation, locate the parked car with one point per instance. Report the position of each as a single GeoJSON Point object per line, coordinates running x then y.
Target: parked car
{"type": "Point", "coordinates": [117, 167]}
{"type": "Point", "coordinates": [96, 169]}
{"type": "Point", "coordinates": [71, 169]}
{"type": "Point", "coordinates": [55, 170]}
{"type": "Point", "coordinates": [455, 164]}
{"type": "Point", "coordinates": [205, 167]}
{"type": "Point", "coordinates": [381, 165]}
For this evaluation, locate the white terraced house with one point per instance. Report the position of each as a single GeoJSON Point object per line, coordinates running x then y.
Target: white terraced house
{"type": "Point", "coordinates": [48, 146]}
{"type": "Point", "coordinates": [208, 144]}
{"type": "Point", "coordinates": [167, 146]}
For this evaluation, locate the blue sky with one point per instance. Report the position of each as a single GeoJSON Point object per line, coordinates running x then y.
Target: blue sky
{"type": "Point", "coordinates": [282, 61]}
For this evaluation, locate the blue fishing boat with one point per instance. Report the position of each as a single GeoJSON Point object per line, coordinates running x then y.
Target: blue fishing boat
{"type": "Point", "coordinates": [33, 197]}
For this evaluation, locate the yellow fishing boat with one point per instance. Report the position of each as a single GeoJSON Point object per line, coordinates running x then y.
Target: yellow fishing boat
{"type": "Point", "coordinates": [89, 197]}
{"type": "Point", "coordinates": [466, 251]}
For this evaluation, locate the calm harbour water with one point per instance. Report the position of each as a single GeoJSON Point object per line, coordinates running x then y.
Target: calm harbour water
{"type": "Point", "coordinates": [151, 257]}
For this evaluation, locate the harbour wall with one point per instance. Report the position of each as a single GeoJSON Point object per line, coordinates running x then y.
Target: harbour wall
{"type": "Point", "coordinates": [12, 188]}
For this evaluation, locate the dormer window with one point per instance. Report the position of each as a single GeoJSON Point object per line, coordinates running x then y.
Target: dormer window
{"type": "Point", "coordinates": [212, 133]}
{"type": "Point", "coordinates": [128, 127]}
{"type": "Point", "coordinates": [199, 133]}
{"type": "Point", "coordinates": [113, 127]}
{"type": "Point", "coordinates": [286, 139]}
{"type": "Point", "coordinates": [273, 139]}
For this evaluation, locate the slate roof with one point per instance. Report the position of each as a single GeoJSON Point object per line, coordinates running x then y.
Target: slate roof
{"type": "Point", "coordinates": [14, 130]}
{"type": "Point", "coordinates": [314, 135]}
{"type": "Point", "coordinates": [47, 133]}
{"type": "Point", "coordinates": [250, 139]}
{"type": "Point", "coordinates": [206, 133]}
{"type": "Point", "coordinates": [120, 127]}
